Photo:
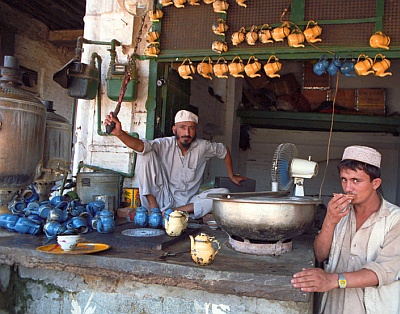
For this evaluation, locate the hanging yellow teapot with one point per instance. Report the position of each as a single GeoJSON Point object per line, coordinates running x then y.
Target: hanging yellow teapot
{"type": "Point", "coordinates": [363, 67]}
{"type": "Point", "coordinates": [296, 39]}
{"type": "Point", "coordinates": [220, 6]}
{"type": "Point", "coordinates": [271, 68]}
{"type": "Point", "coordinates": [179, 3]}
{"type": "Point", "coordinates": [219, 46]}
{"type": "Point", "coordinates": [152, 50]}
{"type": "Point", "coordinates": [239, 36]}
{"type": "Point", "coordinates": [379, 40]}
{"type": "Point", "coordinates": [155, 15]}
{"type": "Point", "coordinates": [205, 69]}
{"type": "Point", "coordinates": [202, 250]}
{"type": "Point", "coordinates": [152, 36]}
{"type": "Point", "coordinates": [221, 68]}
{"type": "Point", "coordinates": [264, 35]}
{"type": "Point", "coordinates": [186, 69]}
{"type": "Point", "coordinates": [176, 223]}
{"type": "Point", "coordinates": [381, 66]}
{"type": "Point", "coordinates": [252, 36]}
{"type": "Point", "coordinates": [220, 27]}
{"type": "Point", "coordinates": [236, 67]}
{"type": "Point", "coordinates": [281, 32]}
{"type": "Point", "coordinates": [312, 32]}
{"type": "Point", "coordinates": [252, 67]}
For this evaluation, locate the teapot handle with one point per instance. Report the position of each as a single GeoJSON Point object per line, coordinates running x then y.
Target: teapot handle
{"type": "Point", "coordinates": [218, 247]}
{"type": "Point", "coordinates": [209, 59]}
{"type": "Point", "coordinates": [310, 21]}
{"type": "Point", "coordinates": [236, 58]}
{"type": "Point", "coordinates": [252, 58]}
{"type": "Point", "coordinates": [272, 56]}
{"type": "Point", "coordinates": [379, 55]}
{"type": "Point", "coordinates": [221, 59]}
{"type": "Point", "coordinates": [266, 25]}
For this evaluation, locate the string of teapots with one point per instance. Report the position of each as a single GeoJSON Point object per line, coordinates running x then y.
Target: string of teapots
{"type": "Point", "coordinates": [237, 68]}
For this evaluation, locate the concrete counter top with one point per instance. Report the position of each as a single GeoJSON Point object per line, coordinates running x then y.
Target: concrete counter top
{"type": "Point", "coordinates": [231, 273]}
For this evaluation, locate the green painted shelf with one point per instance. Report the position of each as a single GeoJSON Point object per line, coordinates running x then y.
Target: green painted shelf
{"type": "Point", "coordinates": [312, 121]}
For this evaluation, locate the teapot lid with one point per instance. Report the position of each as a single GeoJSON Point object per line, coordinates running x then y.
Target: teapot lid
{"type": "Point", "coordinates": [203, 237]}
{"type": "Point", "coordinates": [177, 214]}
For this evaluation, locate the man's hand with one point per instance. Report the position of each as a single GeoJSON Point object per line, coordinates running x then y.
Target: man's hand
{"type": "Point", "coordinates": [236, 178]}
{"type": "Point", "coordinates": [314, 280]}
{"type": "Point", "coordinates": [118, 128]}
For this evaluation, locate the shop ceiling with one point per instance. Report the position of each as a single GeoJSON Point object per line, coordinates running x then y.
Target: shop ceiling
{"type": "Point", "coordinates": [64, 18]}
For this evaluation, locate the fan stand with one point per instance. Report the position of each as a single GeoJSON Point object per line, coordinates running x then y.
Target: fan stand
{"type": "Point", "coordinates": [298, 187]}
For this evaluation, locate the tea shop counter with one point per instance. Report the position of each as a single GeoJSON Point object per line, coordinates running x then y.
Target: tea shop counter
{"type": "Point", "coordinates": [133, 267]}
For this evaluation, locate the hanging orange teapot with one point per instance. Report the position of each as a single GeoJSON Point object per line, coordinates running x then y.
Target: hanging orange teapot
{"type": "Point", "coordinates": [236, 67]}
{"type": "Point", "coordinates": [312, 32]}
{"type": "Point", "coordinates": [239, 36]}
{"type": "Point", "coordinates": [379, 40]}
{"type": "Point", "coordinates": [252, 36]}
{"type": "Point", "coordinates": [252, 67]}
{"type": "Point", "coordinates": [152, 50]}
{"type": "Point", "coordinates": [270, 68]}
{"type": "Point", "coordinates": [363, 67]}
{"type": "Point", "coordinates": [205, 69]}
{"type": "Point", "coordinates": [264, 35]}
{"type": "Point", "coordinates": [221, 68]}
{"type": "Point", "coordinates": [155, 15]}
{"type": "Point", "coordinates": [219, 46]}
{"type": "Point", "coordinates": [381, 66]}
{"type": "Point", "coordinates": [220, 6]}
{"type": "Point", "coordinates": [296, 39]}
{"type": "Point", "coordinates": [281, 32]}
{"type": "Point", "coordinates": [220, 27]}
{"type": "Point", "coordinates": [186, 69]}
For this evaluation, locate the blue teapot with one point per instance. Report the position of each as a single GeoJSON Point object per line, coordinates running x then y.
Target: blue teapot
{"type": "Point", "coordinates": [155, 218]}
{"type": "Point", "coordinates": [26, 225]}
{"type": "Point", "coordinates": [141, 218]}
{"type": "Point", "coordinates": [53, 229]}
{"type": "Point", "coordinates": [8, 221]}
{"type": "Point", "coordinates": [166, 216]}
{"type": "Point", "coordinates": [104, 222]}
{"type": "Point", "coordinates": [320, 67]}
{"type": "Point", "coordinates": [347, 67]}
{"type": "Point", "coordinates": [94, 207]}
{"type": "Point", "coordinates": [334, 66]}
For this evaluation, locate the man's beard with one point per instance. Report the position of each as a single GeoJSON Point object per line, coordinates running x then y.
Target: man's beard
{"type": "Point", "coordinates": [185, 138]}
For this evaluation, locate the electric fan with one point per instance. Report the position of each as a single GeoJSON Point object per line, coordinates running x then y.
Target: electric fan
{"type": "Point", "coordinates": [287, 170]}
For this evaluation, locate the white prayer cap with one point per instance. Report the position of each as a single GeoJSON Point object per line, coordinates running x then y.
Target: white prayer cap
{"type": "Point", "coordinates": [364, 154]}
{"type": "Point", "coordinates": [184, 115]}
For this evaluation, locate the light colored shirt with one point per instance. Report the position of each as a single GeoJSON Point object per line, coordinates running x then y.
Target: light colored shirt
{"type": "Point", "coordinates": [184, 173]}
{"type": "Point", "coordinates": [352, 250]}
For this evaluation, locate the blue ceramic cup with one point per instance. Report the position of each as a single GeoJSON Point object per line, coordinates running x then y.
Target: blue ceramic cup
{"type": "Point", "coordinates": [26, 225]}
{"type": "Point", "coordinates": [53, 228]}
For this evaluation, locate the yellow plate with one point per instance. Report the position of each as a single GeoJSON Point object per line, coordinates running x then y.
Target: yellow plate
{"type": "Point", "coordinates": [81, 248]}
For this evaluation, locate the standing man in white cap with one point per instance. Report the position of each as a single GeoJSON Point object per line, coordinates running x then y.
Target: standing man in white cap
{"type": "Point", "coordinates": [359, 243]}
{"type": "Point", "coordinates": [170, 169]}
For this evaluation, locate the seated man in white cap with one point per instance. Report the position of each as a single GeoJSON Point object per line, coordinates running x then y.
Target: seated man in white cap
{"type": "Point", "coordinates": [359, 243]}
{"type": "Point", "coordinates": [170, 169]}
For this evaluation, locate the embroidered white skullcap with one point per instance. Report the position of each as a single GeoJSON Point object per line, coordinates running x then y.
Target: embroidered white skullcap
{"type": "Point", "coordinates": [184, 115]}
{"type": "Point", "coordinates": [364, 154]}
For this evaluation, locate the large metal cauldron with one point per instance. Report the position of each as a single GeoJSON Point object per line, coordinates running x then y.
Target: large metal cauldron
{"type": "Point", "coordinates": [22, 127]}
{"type": "Point", "coordinates": [269, 219]}
{"type": "Point", "coordinates": [57, 151]}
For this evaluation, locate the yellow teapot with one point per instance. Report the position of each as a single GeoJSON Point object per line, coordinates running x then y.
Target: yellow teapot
{"type": "Point", "coordinates": [221, 68]}
{"type": "Point", "coordinates": [220, 6]}
{"type": "Point", "coordinates": [239, 36]}
{"type": "Point", "coordinates": [202, 250]}
{"type": "Point", "coordinates": [379, 40]}
{"type": "Point", "coordinates": [236, 67]}
{"type": "Point", "coordinates": [252, 67]}
{"type": "Point", "coordinates": [381, 66]}
{"type": "Point", "coordinates": [179, 3]}
{"type": "Point", "coordinates": [152, 50]}
{"type": "Point", "coordinates": [252, 36]}
{"type": "Point", "coordinates": [177, 222]}
{"type": "Point", "coordinates": [220, 27]}
{"type": "Point", "coordinates": [264, 35]}
{"type": "Point", "coordinates": [363, 67]}
{"type": "Point", "coordinates": [312, 32]}
{"type": "Point", "coordinates": [155, 15]}
{"type": "Point", "coordinates": [152, 36]}
{"type": "Point", "coordinates": [270, 68]}
{"type": "Point", "coordinates": [205, 69]}
{"type": "Point", "coordinates": [186, 69]}
{"type": "Point", "coordinates": [296, 39]}
{"type": "Point", "coordinates": [281, 32]}
{"type": "Point", "coordinates": [219, 46]}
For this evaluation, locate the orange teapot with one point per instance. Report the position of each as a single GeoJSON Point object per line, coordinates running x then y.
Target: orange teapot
{"type": "Point", "coordinates": [219, 46]}
{"type": "Point", "coordinates": [363, 67]}
{"type": "Point", "coordinates": [221, 68]}
{"type": "Point", "coordinates": [252, 36]}
{"type": "Point", "coordinates": [166, 3]}
{"type": "Point", "coordinates": [179, 3]}
{"type": "Point", "coordinates": [239, 36]}
{"type": "Point", "coordinates": [264, 35]}
{"type": "Point", "coordinates": [236, 67]}
{"type": "Point", "coordinates": [152, 36]}
{"type": "Point", "coordinates": [281, 32]}
{"type": "Point", "coordinates": [152, 50]}
{"type": "Point", "coordinates": [312, 32]}
{"type": "Point", "coordinates": [155, 15]}
{"type": "Point", "coordinates": [379, 40]}
{"type": "Point", "coordinates": [296, 39]}
{"type": "Point", "coordinates": [270, 68]}
{"type": "Point", "coordinates": [205, 69]}
{"type": "Point", "coordinates": [381, 66]}
{"type": "Point", "coordinates": [220, 6]}
{"type": "Point", "coordinates": [252, 67]}
{"type": "Point", "coordinates": [220, 27]}
{"type": "Point", "coordinates": [186, 69]}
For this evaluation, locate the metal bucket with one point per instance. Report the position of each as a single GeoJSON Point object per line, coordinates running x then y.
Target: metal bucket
{"type": "Point", "coordinates": [265, 218]}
